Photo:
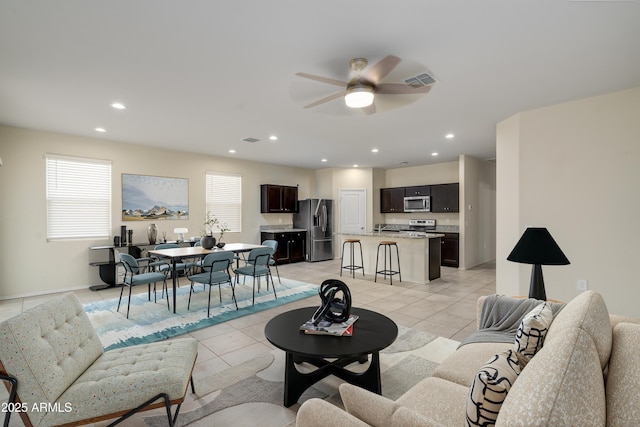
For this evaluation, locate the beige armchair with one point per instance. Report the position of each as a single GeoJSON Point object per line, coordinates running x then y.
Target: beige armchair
{"type": "Point", "coordinates": [58, 374]}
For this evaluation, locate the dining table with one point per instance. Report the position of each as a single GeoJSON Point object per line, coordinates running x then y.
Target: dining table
{"type": "Point", "coordinates": [176, 254]}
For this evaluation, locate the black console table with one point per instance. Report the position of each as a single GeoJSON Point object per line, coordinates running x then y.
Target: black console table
{"type": "Point", "coordinates": [108, 270]}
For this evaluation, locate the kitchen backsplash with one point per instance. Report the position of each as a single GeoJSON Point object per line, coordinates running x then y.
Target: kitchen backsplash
{"type": "Point", "coordinates": [276, 227]}
{"type": "Point", "coordinates": [445, 228]}
{"type": "Point", "coordinates": [448, 228]}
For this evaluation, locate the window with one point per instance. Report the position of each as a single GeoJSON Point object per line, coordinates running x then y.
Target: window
{"type": "Point", "coordinates": [78, 198]}
{"type": "Point", "coordinates": [224, 199]}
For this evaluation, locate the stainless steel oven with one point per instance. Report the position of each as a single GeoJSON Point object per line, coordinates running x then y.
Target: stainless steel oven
{"type": "Point", "coordinates": [417, 204]}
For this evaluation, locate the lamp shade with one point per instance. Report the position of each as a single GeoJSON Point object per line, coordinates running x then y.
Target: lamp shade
{"type": "Point", "coordinates": [180, 232]}
{"type": "Point", "coordinates": [536, 246]}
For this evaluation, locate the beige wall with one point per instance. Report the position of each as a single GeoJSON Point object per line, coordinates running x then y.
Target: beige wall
{"type": "Point", "coordinates": [332, 180]}
{"type": "Point", "coordinates": [31, 265]}
{"type": "Point", "coordinates": [573, 168]}
{"type": "Point", "coordinates": [352, 179]}
{"type": "Point", "coordinates": [508, 205]}
{"type": "Point", "coordinates": [379, 177]}
{"type": "Point", "coordinates": [439, 173]}
{"type": "Point", "coordinates": [477, 211]}
{"type": "Point", "coordinates": [324, 179]}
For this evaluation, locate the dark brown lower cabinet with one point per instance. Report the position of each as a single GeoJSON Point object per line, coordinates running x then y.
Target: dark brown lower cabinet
{"type": "Point", "coordinates": [450, 250]}
{"type": "Point", "coordinates": [290, 245]}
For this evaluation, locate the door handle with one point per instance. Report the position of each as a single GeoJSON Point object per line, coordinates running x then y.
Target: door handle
{"type": "Point", "coordinates": [324, 218]}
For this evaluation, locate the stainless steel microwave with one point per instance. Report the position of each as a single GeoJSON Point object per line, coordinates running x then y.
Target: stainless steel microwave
{"type": "Point", "coordinates": [417, 204]}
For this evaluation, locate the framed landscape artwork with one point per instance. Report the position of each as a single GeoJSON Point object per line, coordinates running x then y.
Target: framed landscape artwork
{"type": "Point", "coordinates": [146, 197]}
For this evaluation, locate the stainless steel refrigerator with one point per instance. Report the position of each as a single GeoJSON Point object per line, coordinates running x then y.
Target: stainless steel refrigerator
{"type": "Point", "coordinates": [316, 216]}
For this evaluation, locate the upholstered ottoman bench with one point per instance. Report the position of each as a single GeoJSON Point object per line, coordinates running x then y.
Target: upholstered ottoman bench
{"type": "Point", "coordinates": [60, 375]}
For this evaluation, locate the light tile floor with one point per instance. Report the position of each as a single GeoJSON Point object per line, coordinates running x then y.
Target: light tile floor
{"type": "Point", "coordinates": [445, 307]}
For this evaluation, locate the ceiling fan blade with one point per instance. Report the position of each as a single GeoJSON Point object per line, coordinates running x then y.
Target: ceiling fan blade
{"type": "Point", "coordinates": [380, 69]}
{"type": "Point", "coordinates": [323, 79]}
{"type": "Point", "coordinates": [400, 89]}
{"type": "Point", "coordinates": [325, 99]}
{"type": "Point", "coordinates": [371, 109]}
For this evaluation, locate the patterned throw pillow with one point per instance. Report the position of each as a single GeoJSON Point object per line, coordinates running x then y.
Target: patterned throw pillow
{"type": "Point", "coordinates": [490, 387]}
{"type": "Point", "coordinates": [532, 331]}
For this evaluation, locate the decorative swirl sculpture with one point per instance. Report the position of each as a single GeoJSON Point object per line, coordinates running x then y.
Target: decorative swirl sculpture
{"type": "Point", "coordinates": [336, 302]}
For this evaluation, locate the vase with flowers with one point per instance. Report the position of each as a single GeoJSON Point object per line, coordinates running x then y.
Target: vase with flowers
{"type": "Point", "coordinates": [208, 241]}
{"type": "Point", "coordinates": [222, 228]}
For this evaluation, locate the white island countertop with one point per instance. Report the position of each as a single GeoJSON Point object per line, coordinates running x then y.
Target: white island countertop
{"type": "Point", "coordinates": [398, 234]}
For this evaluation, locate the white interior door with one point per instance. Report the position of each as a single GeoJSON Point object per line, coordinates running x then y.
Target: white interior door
{"type": "Point", "coordinates": [353, 211]}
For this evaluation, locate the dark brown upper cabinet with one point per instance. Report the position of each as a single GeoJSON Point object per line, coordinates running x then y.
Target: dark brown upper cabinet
{"type": "Point", "coordinates": [445, 198]}
{"type": "Point", "coordinates": [392, 200]}
{"type": "Point", "coordinates": [278, 199]}
{"type": "Point", "coordinates": [418, 190]}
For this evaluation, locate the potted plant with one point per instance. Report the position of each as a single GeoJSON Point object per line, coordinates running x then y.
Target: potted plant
{"type": "Point", "coordinates": [208, 241]}
{"type": "Point", "coordinates": [222, 228]}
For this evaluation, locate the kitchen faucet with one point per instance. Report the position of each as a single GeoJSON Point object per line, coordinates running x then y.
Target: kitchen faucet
{"type": "Point", "coordinates": [381, 229]}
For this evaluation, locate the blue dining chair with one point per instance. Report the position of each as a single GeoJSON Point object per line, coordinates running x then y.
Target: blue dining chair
{"type": "Point", "coordinates": [257, 266]}
{"type": "Point", "coordinates": [196, 262]}
{"type": "Point", "coordinates": [273, 244]}
{"type": "Point", "coordinates": [135, 275]}
{"type": "Point", "coordinates": [164, 266]}
{"type": "Point", "coordinates": [215, 268]}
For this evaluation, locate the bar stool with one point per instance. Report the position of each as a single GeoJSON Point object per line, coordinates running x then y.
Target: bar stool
{"type": "Point", "coordinates": [387, 244]}
{"type": "Point", "coordinates": [353, 267]}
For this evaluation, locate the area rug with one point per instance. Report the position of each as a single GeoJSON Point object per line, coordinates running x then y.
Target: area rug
{"type": "Point", "coordinates": [150, 321]}
{"type": "Point", "coordinates": [251, 393]}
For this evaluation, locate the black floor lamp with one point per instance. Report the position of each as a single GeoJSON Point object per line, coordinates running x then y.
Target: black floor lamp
{"type": "Point", "coordinates": [537, 247]}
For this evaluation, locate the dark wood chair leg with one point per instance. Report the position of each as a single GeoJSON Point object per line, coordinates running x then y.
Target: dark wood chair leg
{"type": "Point", "coordinates": [12, 395]}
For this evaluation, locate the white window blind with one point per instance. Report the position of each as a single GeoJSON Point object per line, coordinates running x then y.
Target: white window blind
{"type": "Point", "coordinates": [78, 198]}
{"type": "Point", "coordinates": [224, 199]}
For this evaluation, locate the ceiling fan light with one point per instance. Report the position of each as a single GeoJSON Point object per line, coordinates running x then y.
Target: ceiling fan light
{"type": "Point", "coordinates": [358, 96]}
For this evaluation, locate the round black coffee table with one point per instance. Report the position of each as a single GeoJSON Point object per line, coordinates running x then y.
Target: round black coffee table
{"type": "Point", "coordinates": [371, 333]}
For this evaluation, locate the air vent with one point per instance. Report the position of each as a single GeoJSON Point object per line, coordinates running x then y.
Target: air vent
{"type": "Point", "coordinates": [250, 139]}
{"type": "Point", "coordinates": [420, 80]}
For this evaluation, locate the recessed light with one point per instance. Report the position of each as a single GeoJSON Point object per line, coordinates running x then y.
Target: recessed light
{"type": "Point", "coordinates": [100, 130]}
{"type": "Point", "coordinates": [323, 160]}
{"type": "Point", "coordinates": [273, 138]}
{"type": "Point", "coordinates": [232, 151]}
{"type": "Point", "coordinates": [355, 166]}
{"type": "Point", "coordinates": [449, 136]}
{"type": "Point", "coordinates": [118, 106]}
{"type": "Point", "coordinates": [374, 150]}
{"type": "Point", "coordinates": [434, 154]}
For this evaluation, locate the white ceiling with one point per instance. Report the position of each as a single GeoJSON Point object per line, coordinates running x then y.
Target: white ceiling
{"type": "Point", "coordinates": [200, 75]}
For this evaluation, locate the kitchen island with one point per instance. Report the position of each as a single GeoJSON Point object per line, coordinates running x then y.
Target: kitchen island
{"type": "Point", "coordinates": [419, 254]}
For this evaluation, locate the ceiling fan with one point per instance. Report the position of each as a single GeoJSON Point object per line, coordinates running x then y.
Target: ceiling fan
{"type": "Point", "coordinates": [366, 85]}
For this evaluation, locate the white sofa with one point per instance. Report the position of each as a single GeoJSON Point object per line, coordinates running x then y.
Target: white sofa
{"type": "Point", "coordinates": [564, 384]}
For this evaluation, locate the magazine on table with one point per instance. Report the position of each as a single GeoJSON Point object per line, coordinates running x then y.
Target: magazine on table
{"type": "Point", "coordinates": [342, 329]}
